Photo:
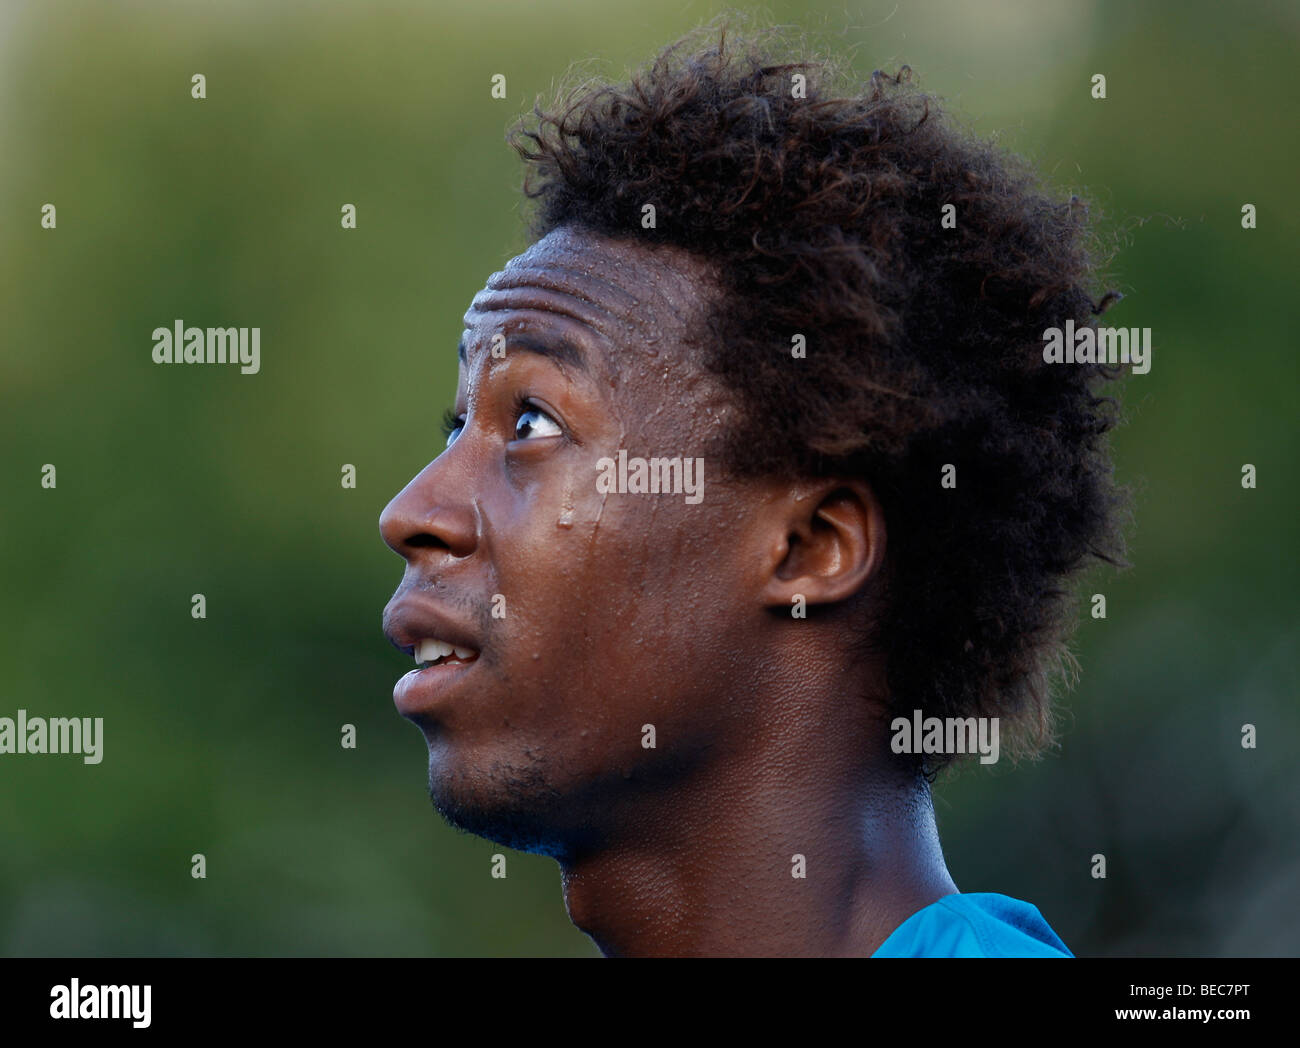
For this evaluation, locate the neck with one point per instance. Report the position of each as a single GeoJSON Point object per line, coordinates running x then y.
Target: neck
{"type": "Point", "coordinates": [708, 867]}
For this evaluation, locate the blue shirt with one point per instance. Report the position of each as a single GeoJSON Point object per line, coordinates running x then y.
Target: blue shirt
{"type": "Point", "coordinates": [977, 924]}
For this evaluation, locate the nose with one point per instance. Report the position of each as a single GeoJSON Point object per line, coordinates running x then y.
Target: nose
{"type": "Point", "coordinates": [425, 515]}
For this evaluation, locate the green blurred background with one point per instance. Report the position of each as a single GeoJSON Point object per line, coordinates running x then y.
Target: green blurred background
{"type": "Point", "coordinates": [222, 736]}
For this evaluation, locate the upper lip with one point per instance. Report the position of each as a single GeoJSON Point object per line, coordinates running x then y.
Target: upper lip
{"type": "Point", "coordinates": [409, 620]}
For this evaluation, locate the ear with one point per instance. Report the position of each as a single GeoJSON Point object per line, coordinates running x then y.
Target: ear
{"type": "Point", "coordinates": [831, 542]}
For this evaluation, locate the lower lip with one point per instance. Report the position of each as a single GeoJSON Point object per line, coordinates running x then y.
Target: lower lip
{"type": "Point", "coordinates": [422, 689]}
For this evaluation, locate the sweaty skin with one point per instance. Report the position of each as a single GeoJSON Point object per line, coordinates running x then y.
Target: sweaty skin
{"type": "Point", "coordinates": [596, 615]}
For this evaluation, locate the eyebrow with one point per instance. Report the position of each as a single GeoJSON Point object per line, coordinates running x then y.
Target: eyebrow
{"type": "Point", "coordinates": [556, 347]}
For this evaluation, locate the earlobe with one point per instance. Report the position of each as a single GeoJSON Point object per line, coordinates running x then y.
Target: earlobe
{"type": "Point", "coordinates": [832, 544]}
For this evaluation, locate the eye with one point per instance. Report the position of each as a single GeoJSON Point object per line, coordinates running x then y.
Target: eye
{"type": "Point", "coordinates": [452, 424]}
{"type": "Point", "coordinates": [533, 422]}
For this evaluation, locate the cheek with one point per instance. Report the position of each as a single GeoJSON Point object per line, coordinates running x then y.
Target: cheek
{"type": "Point", "coordinates": [613, 591]}
{"type": "Point", "coordinates": [633, 603]}
{"type": "Point", "coordinates": [623, 621]}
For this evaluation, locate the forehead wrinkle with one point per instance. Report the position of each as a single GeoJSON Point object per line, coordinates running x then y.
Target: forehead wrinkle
{"type": "Point", "coordinates": [505, 278]}
{"type": "Point", "coordinates": [518, 299]}
{"type": "Point", "coordinates": [577, 289]}
{"type": "Point", "coordinates": [644, 312]}
{"type": "Point", "coordinates": [504, 302]}
{"type": "Point", "coordinates": [663, 300]}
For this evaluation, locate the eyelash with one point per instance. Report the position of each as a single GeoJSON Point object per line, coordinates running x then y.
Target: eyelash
{"type": "Point", "coordinates": [451, 421]}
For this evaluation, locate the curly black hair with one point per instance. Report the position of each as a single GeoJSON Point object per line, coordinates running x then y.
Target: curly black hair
{"type": "Point", "coordinates": [822, 210]}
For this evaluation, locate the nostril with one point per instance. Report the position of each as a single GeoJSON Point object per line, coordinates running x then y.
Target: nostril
{"type": "Point", "coordinates": [424, 539]}
{"type": "Point", "coordinates": [415, 525]}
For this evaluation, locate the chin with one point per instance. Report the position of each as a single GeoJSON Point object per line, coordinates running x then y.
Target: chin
{"type": "Point", "coordinates": [515, 806]}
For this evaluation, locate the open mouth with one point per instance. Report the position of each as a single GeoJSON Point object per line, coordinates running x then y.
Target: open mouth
{"type": "Point", "coordinates": [439, 653]}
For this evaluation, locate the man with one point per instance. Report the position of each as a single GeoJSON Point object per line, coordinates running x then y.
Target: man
{"type": "Point", "coordinates": [755, 457]}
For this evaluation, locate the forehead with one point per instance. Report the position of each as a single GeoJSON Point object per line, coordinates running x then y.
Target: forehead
{"type": "Point", "coordinates": [615, 291]}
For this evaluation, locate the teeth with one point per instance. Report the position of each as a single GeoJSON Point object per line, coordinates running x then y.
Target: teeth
{"type": "Point", "coordinates": [428, 651]}
{"type": "Point", "coordinates": [431, 650]}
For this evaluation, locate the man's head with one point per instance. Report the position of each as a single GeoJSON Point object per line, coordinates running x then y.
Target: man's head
{"type": "Point", "coordinates": [737, 268]}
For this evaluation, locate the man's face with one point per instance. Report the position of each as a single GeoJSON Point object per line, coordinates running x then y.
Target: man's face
{"type": "Point", "coordinates": [593, 614]}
